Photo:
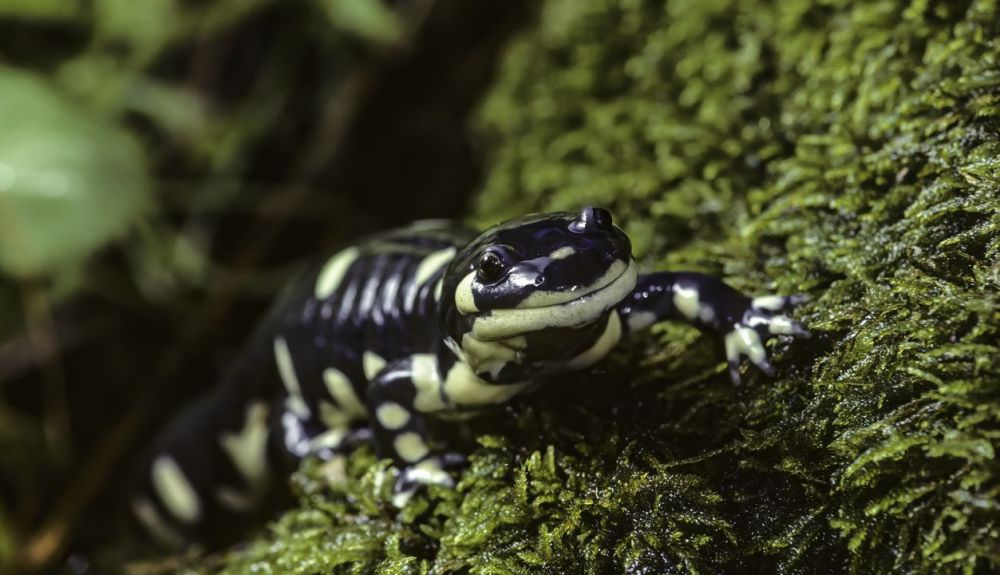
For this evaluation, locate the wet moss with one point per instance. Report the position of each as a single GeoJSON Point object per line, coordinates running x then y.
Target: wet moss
{"type": "Point", "coordinates": [849, 150]}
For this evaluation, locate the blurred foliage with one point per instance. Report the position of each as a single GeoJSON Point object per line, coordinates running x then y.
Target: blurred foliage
{"type": "Point", "coordinates": [164, 165]}
{"type": "Point", "coordinates": [41, 10]}
{"type": "Point", "coordinates": [845, 149]}
{"type": "Point", "coordinates": [56, 204]}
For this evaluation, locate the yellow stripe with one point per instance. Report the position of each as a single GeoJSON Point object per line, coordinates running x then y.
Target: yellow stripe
{"type": "Point", "coordinates": [178, 495]}
{"type": "Point", "coordinates": [333, 272]}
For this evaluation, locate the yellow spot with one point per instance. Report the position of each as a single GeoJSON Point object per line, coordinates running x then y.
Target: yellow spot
{"type": "Point", "coordinates": [641, 320]}
{"type": "Point", "coordinates": [329, 439]}
{"type": "Point", "coordinates": [372, 363]}
{"type": "Point", "coordinates": [706, 314]}
{"type": "Point", "coordinates": [334, 471]}
{"type": "Point", "coordinates": [235, 500]}
{"type": "Point", "coordinates": [332, 416]}
{"type": "Point", "coordinates": [483, 356]}
{"type": "Point", "coordinates": [686, 301]}
{"type": "Point", "coordinates": [401, 498]}
{"type": "Point", "coordinates": [248, 448]}
{"type": "Point", "coordinates": [392, 415]}
{"type": "Point", "coordinates": [341, 390]}
{"type": "Point", "coordinates": [333, 272]}
{"type": "Point", "coordinates": [430, 224]}
{"type": "Point", "coordinates": [424, 374]}
{"type": "Point", "coordinates": [431, 264]}
{"type": "Point", "coordinates": [296, 404]}
{"type": "Point", "coordinates": [464, 387]}
{"type": "Point", "coordinates": [410, 447]}
{"type": "Point", "coordinates": [562, 253]}
{"type": "Point", "coordinates": [745, 341]}
{"type": "Point", "coordinates": [463, 295]}
{"type": "Point", "coordinates": [429, 472]}
{"type": "Point", "coordinates": [609, 338]}
{"type": "Point", "coordinates": [147, 515]}
{"type": "Point", "coordinates": [769, 302]}
{"type": "Point", "coordinates": [780, 325]}
{"type": "Point", "coordinates": [437, 289]}
{"type": "Point", "coordinates": [178, 496]}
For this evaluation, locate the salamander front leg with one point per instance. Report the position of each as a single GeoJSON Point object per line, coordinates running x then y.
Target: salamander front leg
{"type": "Point", "coordinates": [301, 437]}
{"type": "Point", "coordinates": [708, 303]}
{"type": "Point", "coordinates": [398, 406]}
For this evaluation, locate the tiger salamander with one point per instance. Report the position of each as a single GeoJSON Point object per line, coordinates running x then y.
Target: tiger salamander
{"type": "Point", "coordinates": [421, 322]}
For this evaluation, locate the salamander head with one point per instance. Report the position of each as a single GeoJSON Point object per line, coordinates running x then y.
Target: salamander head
{"type": "Point", "coordinates": [541, 272]}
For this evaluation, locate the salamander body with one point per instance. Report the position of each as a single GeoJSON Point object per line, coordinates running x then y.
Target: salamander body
{"type": "Point", "coordinates": [426, 321]}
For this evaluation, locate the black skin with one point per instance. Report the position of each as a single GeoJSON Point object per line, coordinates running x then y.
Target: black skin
{"type": "Point", "coordinates": [424, 322]}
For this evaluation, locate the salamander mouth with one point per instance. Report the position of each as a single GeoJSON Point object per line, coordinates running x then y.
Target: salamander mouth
{"type": "Point", "coordinates": [549, 298]}
{"type": "Point", "coordinates": [580, 310]}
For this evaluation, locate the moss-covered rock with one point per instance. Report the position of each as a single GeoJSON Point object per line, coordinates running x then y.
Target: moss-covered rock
{"type": "Point", "coordinates": [845, 149]}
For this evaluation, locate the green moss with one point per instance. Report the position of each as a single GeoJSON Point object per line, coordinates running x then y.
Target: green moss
{"type": "Point", "coordinates": [846, 149]}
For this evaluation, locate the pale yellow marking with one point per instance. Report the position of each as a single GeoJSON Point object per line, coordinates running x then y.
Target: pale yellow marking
{"type": "Point", "coordinates": [431, 264]}
{"type": "Point", "coordinates": [504, 323]}
{"type": "Point", "coordinates": [430, 224]}
{"type": "Point", "coordinates": [640, 320]}
{"type": "Point", "coordinates": [296, 404]}
{"type": "Point", "coordinates": [429, 472]}
{"type": "Point", "coordinates": [424, 374]}
{"type": "Point", "coordinates": [609, 338]}
{"type": "Point", "coordinates": [518, 342]}
{"type": "Point", "coordinates": [462, 386]}
{"type": "Point", "coordinates": [177, 494]}
{"type": "Point", "coordinates": [771, 302]}
{"type": "Point", "coordinates": [235, 500]}
{"type": "Point", "coordinates": [410, 446]}
{"type": "Point", "coordinates": [392, 415]}
{"type": "Point", "coordinates": [333, 272]}
{"type": "Point", "coordinates": [332, 416]}
{"type": "Point", "coordinates": [294, 436]}
{"type": "Point", "coordinates": [483, 356]}
{"type": "Point", "coordinates": [248, 448]}
{"type": "Point", "coordinates": [401, 498]}
{"type": "Point", "coordinates": [562, 253]}
{"type": "Point", "coordinates": [329, 439]}
{"type": "Point", "coordinates": [341, 390]}
{"type": "Point", "coordinates": [541, 298]}
{"type": "Point", "coordinates": [334, 471]}
{"type": "Point", "coordinates": [686, 301]}
{"type": "Point", "coordinates": [456, 349]}
{"type": "Point", "coordinates": [745, 341]}
{"type": "Point", "coordinates": [146, 513]}
{"type": "Point", "coordinates": [372, 363]}
{"type": "Point", "coordinates": [437, 289]}
{"type": "Point", "coordinates": [780, 325]}
{"type": "Point", "coordinates": [706, 314]}
{"type": "Point", "coordinates": [463, 295]}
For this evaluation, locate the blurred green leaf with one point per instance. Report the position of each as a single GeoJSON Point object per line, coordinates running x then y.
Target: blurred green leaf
{"type": "Point", "coordinates": [70, 180]}
{"type": "Point", "coordinates": [145, 26]}
{"type": "Point", "coordinates": [57, 10]}
{"type": "Point", "coordinates": [369, 19]}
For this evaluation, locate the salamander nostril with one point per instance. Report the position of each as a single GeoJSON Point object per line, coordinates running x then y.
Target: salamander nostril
{"type": "Point", "coordinates": [601, 218]}
{"type": "Point", "coordinates": [592, 219]}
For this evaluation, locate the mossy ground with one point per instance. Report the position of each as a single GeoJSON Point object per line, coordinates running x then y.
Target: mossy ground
{"type": "Point", "coordinates": [848, 150]}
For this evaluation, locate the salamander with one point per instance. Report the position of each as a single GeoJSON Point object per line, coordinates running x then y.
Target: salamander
{"type": "Point", "coordinates": [423, 322]}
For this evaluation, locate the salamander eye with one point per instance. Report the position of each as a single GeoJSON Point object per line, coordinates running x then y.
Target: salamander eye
{"type": "Point", "coordinates": [490, 268]}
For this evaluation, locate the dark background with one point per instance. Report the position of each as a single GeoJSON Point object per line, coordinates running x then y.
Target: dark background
{"type": "Point", "coordinates": [360, 134]}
